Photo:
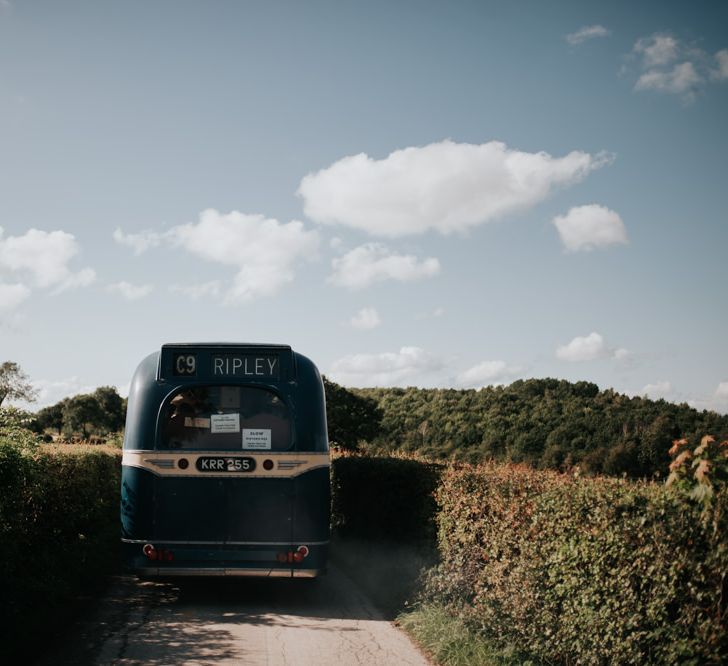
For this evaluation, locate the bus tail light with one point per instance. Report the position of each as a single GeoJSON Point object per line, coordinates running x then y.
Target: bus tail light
{"type": "Point", "coordinates": [291, 556]}
{"type": "Point", "coordinates": [155, 554]}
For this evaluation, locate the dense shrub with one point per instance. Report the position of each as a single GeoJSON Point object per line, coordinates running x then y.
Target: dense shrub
{"type": "Point", "coordinates": [58, 529]}
{"type": "Point", "coordinates": [384, 499]}
{"type": "Point", "coordinates": [587, 571]}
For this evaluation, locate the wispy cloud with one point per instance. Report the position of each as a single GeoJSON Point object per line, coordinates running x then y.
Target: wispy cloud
{"type": "Point", "coordinates": [211, 289]}
{"type": "Point", "coordinates": [672, 66]}
{"type": "Point", "coordinates": [373, 262]}
{"type": "Point", "coordinates": [488, 373]}
{"type": "Point", "coordinates": [51, 391]}
{"type": "Point", "coordinates": [590, 227]}
{"type": "Point", "coordinates": [410, 366]}
{"type": "Point", "coordinates": [129, 291]}
{"type": "Point", "coordinates": [366, 319]}
{"type": "Point", "coordinates": [445, 187]}
{"type": "Point", "coordinates": [586, 33]}
{"type": "Point", "coordinates": [139, 242]}
{"type": "Point", "coordinates": [658, 390]}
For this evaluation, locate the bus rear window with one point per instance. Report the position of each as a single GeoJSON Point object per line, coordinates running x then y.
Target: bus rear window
{"type": "Point", "coordinates": [225, 418]}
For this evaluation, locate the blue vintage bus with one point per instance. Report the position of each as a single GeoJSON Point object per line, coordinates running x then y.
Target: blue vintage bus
{"type": "Point", "coordinates": [225, 470]}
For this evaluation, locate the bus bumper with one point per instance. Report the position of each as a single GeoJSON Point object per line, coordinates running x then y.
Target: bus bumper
{"type": "Point", "coordinates": [173, 572]}
{"type": "Point", "coordinates": [171, 559]}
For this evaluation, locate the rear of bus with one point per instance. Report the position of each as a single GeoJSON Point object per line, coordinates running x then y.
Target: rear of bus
{"type": "Point", "coordinates": [225, 468]}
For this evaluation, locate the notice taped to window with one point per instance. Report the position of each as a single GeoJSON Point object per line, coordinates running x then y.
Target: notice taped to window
{"type": "Point", "coordinates": [222, 423]}
{"type": "Point", "coordinates": [256, 439]}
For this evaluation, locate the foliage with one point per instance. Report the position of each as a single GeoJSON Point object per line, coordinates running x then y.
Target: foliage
{"type": "Point", "coordinates": [452, 643]}
{"type": "Point", "coordinates": [58, 529]}
{"type": "Point", "coordinates": [706, 479]}
{"type": "Point", "coordinates": [580, 570]}
{"type": "Point", "coordinates": [547, 423]}
{"type": "Point", "coordinates": [14, 424]}
{"type": "Point", "coordinates": [92, 414]}
{"type": "Point", "coordinates": [351, 417]}
{"type": "Point", "coordinates": [14, 383]}
{"type": "Point", "coordinates": [384, 499]}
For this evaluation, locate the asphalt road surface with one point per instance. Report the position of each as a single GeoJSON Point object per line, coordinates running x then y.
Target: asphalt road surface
{"type": "Point", "coordinates": [273, 622]}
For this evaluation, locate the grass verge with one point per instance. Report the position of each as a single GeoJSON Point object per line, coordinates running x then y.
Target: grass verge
{"type": "Point", "coordinates": [449, 642]}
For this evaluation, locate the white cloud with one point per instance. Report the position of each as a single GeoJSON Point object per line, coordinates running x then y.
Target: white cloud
{"type": "Point", "coordinates": [129, 291]}
{"type": "Point", "coordinates": [43, 258]}
{"type": "Point", "coordinates": [488, 373]}
{"type": "Point", "coordinates": [366, 319]}
{"type": "Point", "coordinates": [12, 295]}
{"type": "Point", "coordinates": [408, 367]}
{"type": "Point", "coordinates": [211, 289]}
{"type": "Point", "coordinates": [721, 59]}
{"type": "Point", "coordinates": [623, 354]}
{"type": "Point", "coordinates": [658, 49]}
{"type": "Point", "coordinates": [588, 348]}
{"type": "Point", "coordinates": [586, 32]}
{"type": "Point", "coordinates": [374, 262]}
{"type": "Point", "coordinates": [589, 227]}
{"type": "Point", "coordinates": [669, 65]}
{"type": "Point", "coordinates": [657, 390]}
{"type": "Point", "coordinates": [682, 79]}
{"type": "Point", "coordinates": [446, 187]}
{"type": "Point", "coordinates": [140, 242]}
{"type": "Point", "coordinates": [721, 393]}
{"type": "Point", "coordinates": [262, 250]}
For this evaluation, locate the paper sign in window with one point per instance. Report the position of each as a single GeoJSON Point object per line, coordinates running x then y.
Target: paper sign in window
{"type": "Point", "coordinates": [256, 439]}
{"type": "Point", "coordinates": [222, 423]}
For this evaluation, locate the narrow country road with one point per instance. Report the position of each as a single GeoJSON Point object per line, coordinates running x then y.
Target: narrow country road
{"type": "Point", "coordinates": [272, 622]}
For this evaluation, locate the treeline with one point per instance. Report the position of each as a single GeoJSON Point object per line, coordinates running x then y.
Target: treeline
{"type": "Point", "coordinates": [547, 423]}
{"type": "Point", "coordinates": [96, 414]}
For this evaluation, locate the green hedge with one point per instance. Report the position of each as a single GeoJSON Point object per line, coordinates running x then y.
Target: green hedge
{"type": "Point", "coordinates": [59, 530]}
{"type": "Point", "coordinates": [585, 571]}
{"type": "Point", "coordinates": [384, 499]}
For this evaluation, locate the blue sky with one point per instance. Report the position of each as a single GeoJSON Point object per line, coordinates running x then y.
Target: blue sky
{"type": "Point", "coordinates": [410, 193]}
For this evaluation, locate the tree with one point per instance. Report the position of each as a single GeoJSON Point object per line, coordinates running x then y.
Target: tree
{"type": "Point", "coordinates": [351, 417]}
{"type": "Point", "coordinates": [82, 413]}
{"type": "Point", "coordinates": [50, 417]}
{"type": "Point", "coordinates": [111, 405]}
{"type": "Point", "coordinates": [14, 383]}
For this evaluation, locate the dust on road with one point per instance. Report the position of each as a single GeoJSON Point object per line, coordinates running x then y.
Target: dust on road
{"type": "Point", "coordinates": [274, 622]}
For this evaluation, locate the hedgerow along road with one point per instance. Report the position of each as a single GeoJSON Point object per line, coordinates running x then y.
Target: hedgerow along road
{"type": "Point", "coordinates": [276, 622]}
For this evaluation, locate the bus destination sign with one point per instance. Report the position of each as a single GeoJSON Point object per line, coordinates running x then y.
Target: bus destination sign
{"type": "Point", "coordinates": [252, 366]}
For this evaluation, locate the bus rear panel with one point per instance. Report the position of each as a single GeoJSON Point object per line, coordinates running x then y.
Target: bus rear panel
{"type": "Point", "coordinates": [225, 470]}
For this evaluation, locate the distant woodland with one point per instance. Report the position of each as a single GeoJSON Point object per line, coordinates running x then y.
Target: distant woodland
{"type": "Point", "coordinates": [546, 423]}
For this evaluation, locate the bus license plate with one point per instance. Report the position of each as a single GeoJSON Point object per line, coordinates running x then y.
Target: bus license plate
{"type": "Point", "coordinates": [225, 464]}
